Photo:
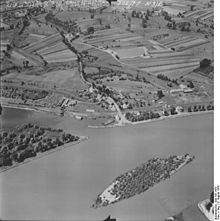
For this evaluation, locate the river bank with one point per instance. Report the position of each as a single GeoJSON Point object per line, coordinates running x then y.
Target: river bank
{"type": "Point", "coordinates": [65, 184]}
{"type": "Point", "coordinates": [117, 124]}
{"type": "Point", "coordinates": [202, 207]}
{"type": "Point", "coordinates": [28, 142]}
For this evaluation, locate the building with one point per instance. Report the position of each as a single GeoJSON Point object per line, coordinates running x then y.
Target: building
{"type": "Point", "coordinates": [188, 90]}
{"type": "Point", "coordinates": [176, 91]}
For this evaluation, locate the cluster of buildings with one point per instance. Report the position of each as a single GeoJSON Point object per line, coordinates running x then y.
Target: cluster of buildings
{"type": "Point", "coordinates": [182, 89]}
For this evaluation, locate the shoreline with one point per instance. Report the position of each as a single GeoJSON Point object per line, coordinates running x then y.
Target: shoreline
{"type": "Point", "coordinates": [108, 198]}
{"type": "Point", "coordinates": [183, 114]}
{"type": "Point", "coordinates": [118, 124]}
{"type": "Point", "coordinates": [27, 107]}
{"type": "Point", "coordinates": [40, 155]}
{"type": "Point", "coordinates": [204, 211]}
{"type": "Point", "coordinates": [153, 120]}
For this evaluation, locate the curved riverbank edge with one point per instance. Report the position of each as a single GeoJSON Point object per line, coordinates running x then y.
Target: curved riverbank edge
{"type": "Point", "coordinates": [108, 198]}
{"type": "Point", "coordinates": [40, 155]}
{"type": "Point", "coordinates": [153, 120]}
{"type": "Point", "coordinates": [27, 107]}
{"type": "Point", "coordinates": [202, 206]}
{"type": "Point", "coordinates": [118, 124]}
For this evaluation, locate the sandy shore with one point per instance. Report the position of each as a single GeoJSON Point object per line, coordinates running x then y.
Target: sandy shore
{"type": "Point", "coordinates": [202, 207]}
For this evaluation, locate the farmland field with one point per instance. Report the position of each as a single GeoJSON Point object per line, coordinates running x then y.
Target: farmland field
{"type": "Point", "coordinates": [45, 42]}
{"type": "Point", "coordinates": [52, 49]}
{"type": "Point", "coordinates": [171, 67]}
{"type": "Point", "coordinates": [130, 52]}
{"type": "Point", "coordinates": [33, 38]}
{"type": "Point", "coordinates": [23, 55]}
{"type": "Point", "coordinates": [155, 63]}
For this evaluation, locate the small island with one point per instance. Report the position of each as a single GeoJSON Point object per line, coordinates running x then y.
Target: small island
{"type": "Point", "coordinates": [31, 141]}
{"type": "Point", "coordinates": [141, 179]}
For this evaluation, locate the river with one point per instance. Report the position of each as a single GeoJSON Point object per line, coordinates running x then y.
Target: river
{"type": "Point", "coordinates": [63, 185]}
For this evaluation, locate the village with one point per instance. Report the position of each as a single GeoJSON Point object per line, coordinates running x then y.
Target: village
{"type": "Point", "coordinates": [74, 58]}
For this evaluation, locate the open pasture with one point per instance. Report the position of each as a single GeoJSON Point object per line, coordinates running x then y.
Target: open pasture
{"type": "Point", "coordinates": [113, 37]}
{"type": "Point", "coordinates": [107, 32]}
{"type": "Point", "coordinates": [7, 35]}
{"type": "Point", "coordinates": [40, 28]}
{"type": "Point", "coordinates": [18, 59]}
{"type": "Point", "coordinates": [72, 15]}
{"type": "Point", "coordinates": [130, 52]}
{"type": "Point", "coordinates": [23, 55]}
{"type": "Point", "coordinates": [69, 80]}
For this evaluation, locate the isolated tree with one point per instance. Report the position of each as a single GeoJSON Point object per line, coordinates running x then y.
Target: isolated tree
{"type": "Point", "coordinates": [90, 30]}
{"type": "Point", "coordinates": [208, 206]}
{"type": "Point", "coordinates": [190, 84]}
{"type": "Point", "coordinates": [144, 23]}
{"type": "Point", "coordinates": [160, 94]}
{"type": "Point", "coordinates": [192, 7]}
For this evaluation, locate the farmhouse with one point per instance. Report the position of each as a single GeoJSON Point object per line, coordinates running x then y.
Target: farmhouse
{"type": "Point", "coordinates": [176, 91]}
{"type": "Point", "coordinates": [90, 110]}
{"type": "Point", "coordinates": [188, 90]}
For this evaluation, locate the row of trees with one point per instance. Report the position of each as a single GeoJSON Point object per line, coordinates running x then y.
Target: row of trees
{"type": "Point", "coordinates": [23, 94]}
{"type": "Point", "coordinates": [143, 116]}
{"type": "Point", "coordinates": [198, 108]}
{"type": "Point", "coordinates": [165, 78]}
{"type": "Point", "coordinates": [146, 115]}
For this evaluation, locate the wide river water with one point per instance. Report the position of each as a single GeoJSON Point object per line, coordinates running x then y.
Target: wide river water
{"type": "Point", "coordinates": [64, 184]}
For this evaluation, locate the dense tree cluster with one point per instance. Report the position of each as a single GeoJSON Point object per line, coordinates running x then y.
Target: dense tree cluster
{"type": "Point", "coordinates": [29, 140]}
{"type": "Point", "coordinates": [23, 93]}
{"type": "Point", "coordinates": [205, 63]}
{"type": "Point", "coordinates": [143, 177]}
{"type": "Point", "coordinates": [139, 14]}
{"type": "Point", "coordinates": [143, 115]}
